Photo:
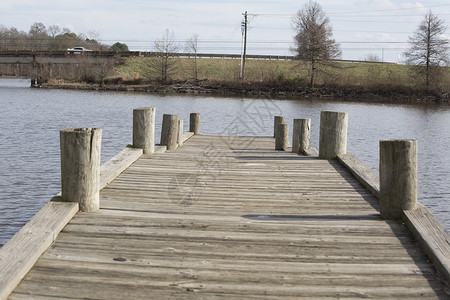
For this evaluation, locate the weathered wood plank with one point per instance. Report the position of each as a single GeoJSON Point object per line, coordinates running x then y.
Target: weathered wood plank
{"type": "Point", "coordinates": [432, 236]}
{"type": "Point", "coordinates": [160, 149]}
{"type": "Point", "coordinates": [254, 224]}
{"type": "Point", "coordinates": [366, 176]}
{"type": "Point", "coordinates": [116, 165]}
{"type": "Point", "coordinates": [19, 255]}
{"type": "Point", "coordinates": [125, 270]}
{"type": "Point", "coordinates": [187, 135]}
{"type": "Point", "coordinates": [98, 286]}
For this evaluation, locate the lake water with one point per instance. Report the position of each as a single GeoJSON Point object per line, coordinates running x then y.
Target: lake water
{"type": "Point", "coordinates": [30, 120]}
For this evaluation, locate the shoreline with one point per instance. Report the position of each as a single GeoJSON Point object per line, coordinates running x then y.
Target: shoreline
{"type": "Point", "coordinates": [257, 90]}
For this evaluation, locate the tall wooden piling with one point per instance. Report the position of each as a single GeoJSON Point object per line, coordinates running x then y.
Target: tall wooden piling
{"type": "Point", "coordinates": [80, 166]}
{"type": "Point", "coordinates": [281, 137]}
{"type": "Point", "coordinates": [333, 134]}
{"type": "Point", "coordinates": [301, 135]}
{"type": "Point", "coordinates": [277, 120]}
{"type": "Point", "coordinates": [180, 133]}
{"type": "Point", "coordinates": [169, 131]}
{"type": "Point", "coordinates": [398, 177]}
{"type": "Point", "coordinates": [194, 123]}
{"type": "Point", "coordinates": [144, 129]}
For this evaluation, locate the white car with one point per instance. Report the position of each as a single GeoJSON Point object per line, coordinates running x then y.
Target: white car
{"type": "Point", "coordinates": [77, 50]}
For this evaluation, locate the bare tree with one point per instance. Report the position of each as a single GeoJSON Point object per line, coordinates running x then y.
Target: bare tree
{"type": "Point", "coordinates": [38, 36]}
{"type": "Point", "coordinates": [53, 30]}
{"type": "Point", "coordinates": [165, 48]}
{"type": "Point", "coordinates": [371, 57]}
{"type": "Point", "coordinates": [192, 48]}
{"type": "Point", "coordinates": [428, 50]}
{"type": "Point", "coordinates": [314, 42]}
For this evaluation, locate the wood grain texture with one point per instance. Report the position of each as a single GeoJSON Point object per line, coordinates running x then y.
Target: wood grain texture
{"type": "Point", "coordinates": [281, 137]}
{"type": "Point", "coordinates": [116, 165]}
{"type": "Point", "coordinates": [229, 217]}
{"type": "Point", "coordinates": [194, 123]}
{"type": "Point", "coordinates": [169, 131]}
{"type": "Point", "coordinates": [301, 132]}
{"type": "Point", "coordinates": [80, 166]}
{"type": "Point", "coordinates": [398, 177]}
{"type": "Point", "coordinates": [432, 236]}
{"type": "Point", "coordinates": [365, 175]}
{"type": "Point", "coordinates": [144, 129]}
{"type": "Point", "coordinates": [333, 134]}
{"type": "Point", "coordinates": [19, 255]}
{"type": "Point", "coordinates": [187, 135]}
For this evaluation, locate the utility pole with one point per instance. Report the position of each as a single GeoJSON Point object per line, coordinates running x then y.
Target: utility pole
{"type": "Point", "coordinates": [244, 33]}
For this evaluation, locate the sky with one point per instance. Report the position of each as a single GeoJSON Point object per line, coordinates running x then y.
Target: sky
{"type": "Point", "coordinates": [362, 27]}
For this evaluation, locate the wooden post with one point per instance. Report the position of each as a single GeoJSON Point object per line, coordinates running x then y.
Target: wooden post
{"type": "Point", "coordinates": [281, 137]}
{"type": "Point", "coordinates": [180, 133]}
{"type": "Point", "coordinates": [194, 123]}
{"type": "Point", "coordinates": [80, 166]}
{"type": "Point", "coordinates": [333, 134]}
{"type": "Point", "coordinates": [398, 177]}
{"type": "Point", "coordinates": [301, 135]}
{"type": "Point", "coordinates": [144, 129]}
{"type": "Point", "coordinates": [277, 120]}
{"type": "Point", "coordinates": [169, 131]}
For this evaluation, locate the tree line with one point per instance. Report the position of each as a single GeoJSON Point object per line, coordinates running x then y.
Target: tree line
{"type": "Point", "coordinates": [40, 38]}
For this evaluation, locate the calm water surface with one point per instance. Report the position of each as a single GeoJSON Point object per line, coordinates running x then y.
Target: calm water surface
{"type": "Point", "coordinates": [30, 120]}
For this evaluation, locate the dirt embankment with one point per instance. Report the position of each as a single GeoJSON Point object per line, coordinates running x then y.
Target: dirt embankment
{"type": "Point", "coordinates": [257, 89]}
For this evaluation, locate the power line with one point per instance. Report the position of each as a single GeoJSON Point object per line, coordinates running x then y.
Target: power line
{"type": "Point", "coordinates": [392, 9]}
{"type": "Point", "coordinates": [359, 12]}
{"type": "Point", "coordinates": [337, 30]}
{"type": "Point", "coordinates": [375, 21]}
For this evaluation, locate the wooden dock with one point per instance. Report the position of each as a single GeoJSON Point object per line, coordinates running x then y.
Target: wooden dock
{"type": "Point", "coordinates": [208, 217]}
{"type": "Point", "coordinates": [229, 217]}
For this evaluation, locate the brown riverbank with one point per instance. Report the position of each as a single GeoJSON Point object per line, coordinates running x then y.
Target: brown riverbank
{"type": "Point", "coordinates": [256, 89]}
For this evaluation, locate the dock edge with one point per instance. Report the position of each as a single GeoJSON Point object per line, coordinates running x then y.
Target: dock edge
{"type": "Point", "coordinates": [432, 236]}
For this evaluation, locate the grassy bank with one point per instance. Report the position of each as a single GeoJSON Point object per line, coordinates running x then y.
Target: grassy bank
{"type": "Point", "coordinates": [383, 81]}
{"type": "Point", "coordinates": [367, 77]}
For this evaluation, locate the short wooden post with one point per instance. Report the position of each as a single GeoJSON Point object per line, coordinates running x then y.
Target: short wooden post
{"type": "Point", "coordinates": [144, 129]}
{"type": "Point", "coordinates": [169, 131]}
{"type": "Point", "coordinates": [301, 135]}
{"type": "Point", "coordinates": [194, 123]}
{"type": "Point", "coordinates": [281, 137]}
{"type": "Point", "coordinates": [180, 133]}
{"type": "Point", "coordinates": [333, 134]}
{"type": "Point", "coordinates": [398, 177]}
{"type": "Point", "coordinates": [277, 120]}
{"type": "Point", "coordinates": [80, 166]}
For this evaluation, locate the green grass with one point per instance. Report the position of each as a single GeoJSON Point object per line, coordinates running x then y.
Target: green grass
{"type": "Point", "coordinates": [364, 76]}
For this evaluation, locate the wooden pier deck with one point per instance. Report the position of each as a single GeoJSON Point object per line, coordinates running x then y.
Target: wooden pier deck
{"type": "Point", "coordinates": [229, 217]}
